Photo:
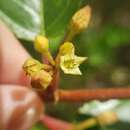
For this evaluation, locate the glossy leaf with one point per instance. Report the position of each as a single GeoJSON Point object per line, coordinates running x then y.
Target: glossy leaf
{"type": "Point", "coordinates": [26, 18]}
{"type": "Point", "coordinates": [22, 16]}
{"type": "Point", "coordinates": [57, 17]}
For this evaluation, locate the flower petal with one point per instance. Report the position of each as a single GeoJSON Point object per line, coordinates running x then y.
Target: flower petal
{"type": "Point", "coordinates": [32, 66]}
{"type": "Point", "coordinates": [79, 60]}
{"type": "Point", "coordinates": [70, 64]}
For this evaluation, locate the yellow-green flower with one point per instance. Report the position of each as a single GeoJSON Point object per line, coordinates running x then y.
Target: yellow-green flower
{"type": "Point", "coordinates": [70, 64]}
{"type": "Point", "coordinates": [44, 78]}
{"type": "Point", "coordinates": [36, 71]}
{"type": "Point", "coordinates": [32, 66]}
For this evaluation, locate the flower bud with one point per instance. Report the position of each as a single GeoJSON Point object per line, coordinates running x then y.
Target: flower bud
{"type": "Point", "coordinates": [67, 48]}
{"type": "Point", "coordinates": [81, 19]}
{"type": "Point", "coordinates": [78, 23]}
{"type": "Point", "coordinates": [41, 44]}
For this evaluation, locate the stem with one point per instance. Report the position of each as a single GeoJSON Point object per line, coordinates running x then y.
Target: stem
{"type": "Point", "coordinates": [103, 119]}
{"type": "Point", "coordinates": [55, 124]}
{"type": "Point", "coordinates": [69, 35]}
{"type": "Point", "coordinates": [93, 94]}
{"type": "Point", "coordinates": [85, 124]}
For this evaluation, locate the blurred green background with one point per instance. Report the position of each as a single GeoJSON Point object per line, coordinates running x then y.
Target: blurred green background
{"type": "Point", "coordinates": [106, 42]}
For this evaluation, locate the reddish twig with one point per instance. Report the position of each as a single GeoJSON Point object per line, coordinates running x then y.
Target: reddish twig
{"type": "Point", "coordinates": [93, 94]}
{"type": "Point", "coordinates": [55, 124]}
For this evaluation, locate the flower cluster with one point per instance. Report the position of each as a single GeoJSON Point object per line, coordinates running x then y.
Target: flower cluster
{"type": "Point", "coordinates": [66, 58]}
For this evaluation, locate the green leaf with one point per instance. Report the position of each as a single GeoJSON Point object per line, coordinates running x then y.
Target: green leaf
{"type": "Point", "coordinates": [57, 17]}
{"type": "Point", "coordinates": [22, 16]}
{"type": "Point", "coordinates": [26, 17]}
